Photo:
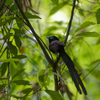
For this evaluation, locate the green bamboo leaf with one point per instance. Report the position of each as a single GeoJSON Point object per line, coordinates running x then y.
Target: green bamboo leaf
{"type": "Point", "coordinates": [9, 60]}
{"type": "Point", "coordinates": [15, 96]}
{"type": "Point", "coordinates": [18, 31]}
{"type": "Point", "coordinates": [7, 36]}
{"type": "Point", "coordinates": [55, 2]}
{"type": "Point", "coordinates": [8, 2]}
{"type": "Point", "coordinates": [12, 48]}
{"type": "Point", "coordinates": [54, 95]}
{"type": "Point", "coordinates": [31, 9]}
{"type": "Point", "coordinates": [21, 82]}
{"type": "Point", "coordinates": [57, 7]}
{"type": "Point", "coordinates": [20, 56]}
{"type": "Point", "coordinates": [17, 41]}
{"type": "Point", "coordinates": [98, 16]}
{"type": "Point", "coordinates": [3, 68]}
{"type": "Point", "coordinates": [30, 16]}
{"type": "Point", "coordinates": [88, 34]}
{"type": "Point", "coordinates": [18, 73]}
{"type": "Point", "coordinates": [27, 91]}
{"type": "Point", "coordinates": [2, 87]}
{"type": "Point", "coordinates": [6, 20]}
{"type": "Point", "coordinates": [84, 25]}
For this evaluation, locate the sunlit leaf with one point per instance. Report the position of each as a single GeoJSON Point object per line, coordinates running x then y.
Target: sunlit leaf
{"type": "Point", "coordinates": [31, 73]}
{"type": "Point", "coordinates": [15, 96]}
{"type": "Point", "coordinates": [9, 60]}
{"type": "Point", "coordinates": [56, 8]}
{"type": "Point", "coordinates": [54, 95]}
{"type": "Point", "coordinates": [84, 25]}
{"type": "Point", "coordinates": [88, 34]}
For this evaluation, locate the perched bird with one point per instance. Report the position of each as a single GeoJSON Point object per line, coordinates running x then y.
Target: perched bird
{"type": "Point", "coordinates": [56, 46]}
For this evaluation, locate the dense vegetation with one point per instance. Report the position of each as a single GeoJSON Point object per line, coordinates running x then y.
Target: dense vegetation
{"type": "Point", "coordinates": [28, 71]}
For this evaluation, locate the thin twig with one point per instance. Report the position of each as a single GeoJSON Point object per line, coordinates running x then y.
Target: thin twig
{"type": "Point", "coordinates": [90, 71]}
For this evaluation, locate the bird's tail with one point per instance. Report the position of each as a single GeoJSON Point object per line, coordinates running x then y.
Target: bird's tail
{"type": "Point", "coordinates": [73, 72]}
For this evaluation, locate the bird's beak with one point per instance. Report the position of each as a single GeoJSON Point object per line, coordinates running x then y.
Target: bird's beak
{"type": "Point", "coordinates": [48, 37]}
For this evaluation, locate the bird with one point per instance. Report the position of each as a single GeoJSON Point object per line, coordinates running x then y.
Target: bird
{"type": "Point", "coordinates": [56, 47]}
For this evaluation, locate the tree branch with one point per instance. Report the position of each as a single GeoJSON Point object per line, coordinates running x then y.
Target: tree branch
{"type": "Point", "coordinates": [34, 33]}
{"type": "Point", "coordinates": [52, 63]}
{"type": "Point", "coordinates": [70, 22]}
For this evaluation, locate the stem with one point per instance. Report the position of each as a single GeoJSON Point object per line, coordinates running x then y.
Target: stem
{"type": "Point", "coordinates": [8, 76]}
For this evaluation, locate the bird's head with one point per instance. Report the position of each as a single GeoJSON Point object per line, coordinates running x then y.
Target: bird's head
{"type": "Point", "coordinates": [52, 38]}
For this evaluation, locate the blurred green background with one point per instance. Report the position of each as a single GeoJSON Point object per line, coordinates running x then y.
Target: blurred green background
{"type": "Point", "coordinates": [30, 75]}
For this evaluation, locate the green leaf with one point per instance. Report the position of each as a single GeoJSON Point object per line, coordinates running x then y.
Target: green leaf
{"type": "Point", "coordinates": [56, 8]}
{"type": "Point", "coordinates": [31, 9]}
{"type": "Point", "coordinates": [17, 41]}
{"type": "Point", "coordinates": [20, 56]}
{"type": "Point", "coordinates": [21, 82]}
{"type": "Point", "coordinates": [18, 73]}
{"type": "Point", "coordinates": [31, 73]}
{"type": "Point", "coordinates": [84, 25]}
{"type": "Point", "coordinates": [42, 77]}
{"type": "Point", "coordinates": [2, 87]}
{"type": "Point", "coordinates": [95, 62]}
{"type": "Point", "coordinates": [54, 95]}
{"type": "Point", "coordinates": [12, 48]}
{"type": "Point", "coordinates": [88, 34]}
{"type": "Point", "coordinates": [6, 20]}
{"type": "Point", "coordinates": [3, 78]}
{"type": "Point", "coordinates": [27, 91]}
{"type": "Point", "coordinates": [3, 69]}
{"type": "Point", "coordinates": [15, 96]}
{"type": "Point", "coordinates": [8, 2]}
{"type": "Point", "coordinates": [55, 2]}
{"type": "Point", "coordinates": [98, 16]}
{"type": "Point", "coordinates": [81, 12]}
{"type": "Point", "coordinates": [29, 15]}
{"type": "Point", "coordinates": [18, 31]}
{"type": "Point", "coordinates": [9, 60]}
{"type": "Point", "coordinates": [7, 36]}
{"type": "Point", "coordinates": [19, 23]}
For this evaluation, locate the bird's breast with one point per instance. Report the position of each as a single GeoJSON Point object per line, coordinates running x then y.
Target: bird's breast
{"type": "Point", "coordinates": [54, 47]}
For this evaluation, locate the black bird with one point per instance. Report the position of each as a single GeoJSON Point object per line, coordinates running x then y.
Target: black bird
{"type": "Point", "coordinates": [56, 46]}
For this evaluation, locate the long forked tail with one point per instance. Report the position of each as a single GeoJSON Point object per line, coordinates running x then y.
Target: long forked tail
{"type": "Point", "coordinates": [73, 72]}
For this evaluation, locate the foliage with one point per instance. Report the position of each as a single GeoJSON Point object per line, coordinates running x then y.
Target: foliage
{"type": "Point", "coordinates": [27, 68]}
